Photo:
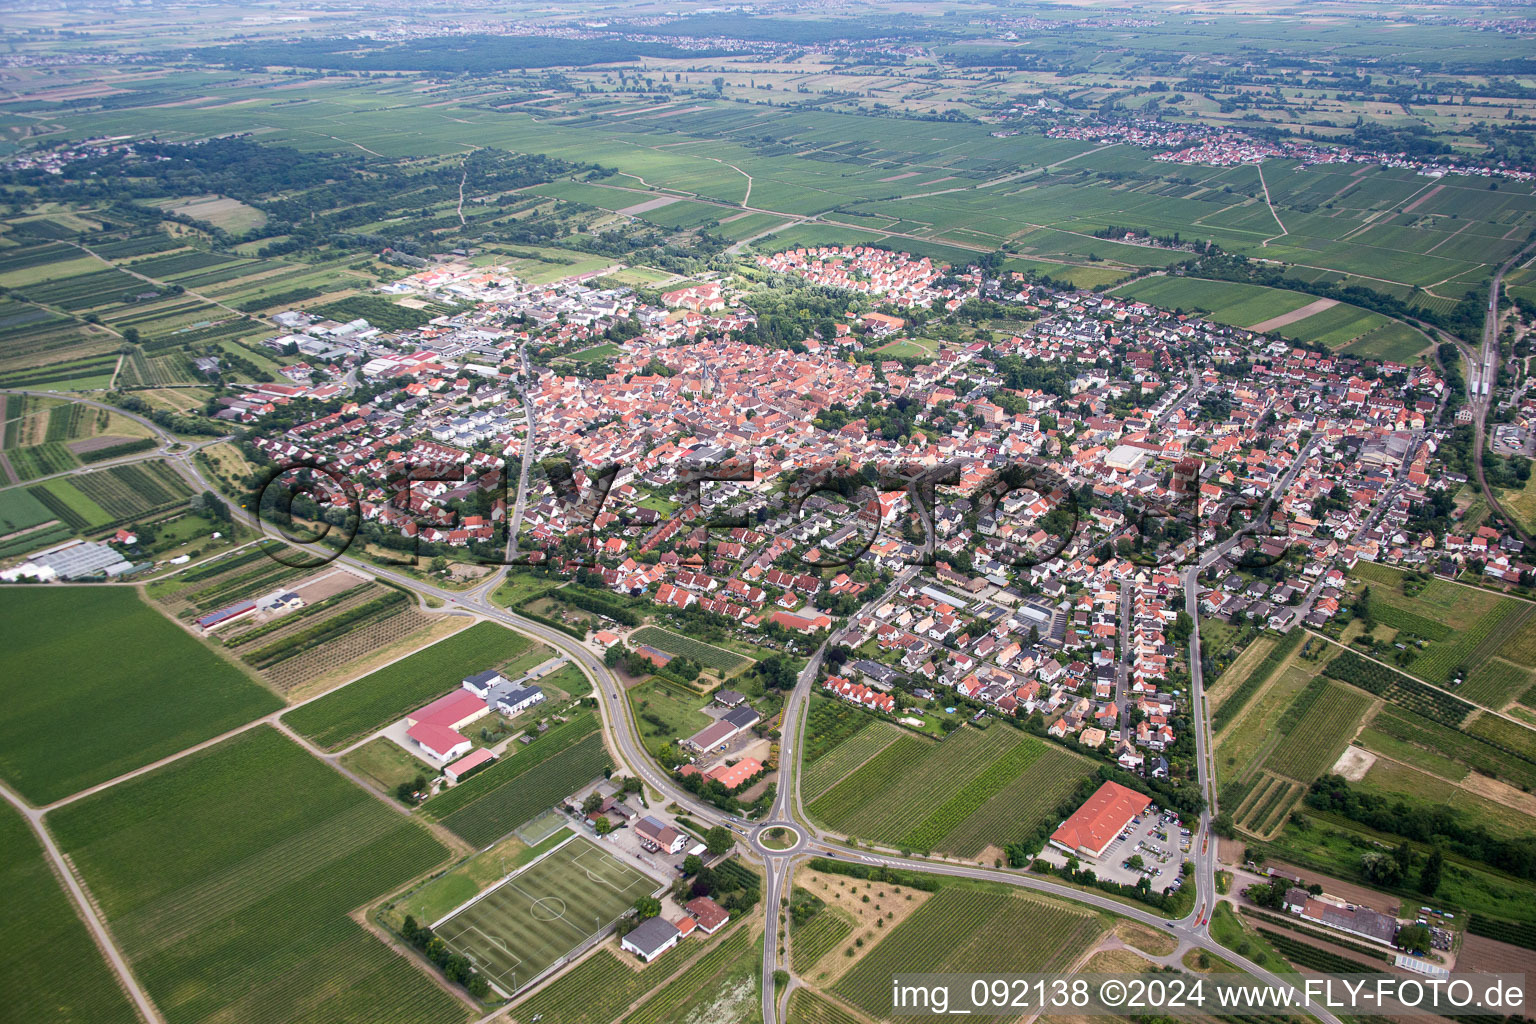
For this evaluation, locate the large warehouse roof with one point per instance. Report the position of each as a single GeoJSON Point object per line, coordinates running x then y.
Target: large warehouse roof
{"type": "Point", "coordinates": [1095, 824]}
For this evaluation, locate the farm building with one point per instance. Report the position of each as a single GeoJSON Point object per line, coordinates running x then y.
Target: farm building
{"type": "Point", "coordinates": [731, 776]}
{"type": "Point", "coordinates": [657, 835]}
{"type": "Point", "coordinates": [710, 915]}
{"type": "Point", "coordinates": [464, 765]}
{"type": "Point", "coordinates": [514, 701]}
{"type": "Point", "coordinates": [730, 725]}
{"type": "Point", "coordinates": [1093, 826]}
{"type": "Point", "coordinates": [435, 727]}
{"type": "Point", "coordinates": [801, 623]}
{"type": "Point", "coordinates": [223, 616]}
{"type": "Point", "coordinates": [79, 559]}
{"type": "Point", "coordinates": [1344, 917]}
{"type": "Point", "coordinates": [651, 938]}
{"type": "Point", "coordinates": [481, 683]}
{"type": "Point", "coordinates": [656, 657]}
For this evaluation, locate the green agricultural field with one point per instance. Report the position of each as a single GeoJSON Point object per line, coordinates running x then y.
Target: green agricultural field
{"type": "Point", "coordinates": [1496, 683]}
{"type": "Point", "coordinates": [19, 510]}
{"type": "Point", "coordinates": [708, 655]}
{"type": "Point", "coordinates": [1505, 734]}
{"type": "Point", "coordinates": [513, 932]}
{"type": "Point", "coordinates": [77, 984]}
{"type": "Point", "coordinates": [1241, 305]}
{"type": "Point", "coordinates": [943, 783]}
{"type": "Point", "coordinates": [842, 760]}
{"type": "Point", "coordinates": [1422, 790]}
{"type": "Point", "coordinates": [164, 690]}
{"type": "Point", "coordinates": [723, 984]}
{"type": "Point", "coordinates": [1024, 807]}
{"type": "Point", "coordinates": [970, 930]}
{"type": "Point", "coordinates": [1319, 731]}
{"type": "Point", "coordinates": [233, 905]}
{"type": "Point", "coordinates": [665, 713]}
{"type": "Point", "coordinates": [523, 782]}
{"type": "Point", "coordinates": [1242, 746]}
{"type": "Point", "coordinates": [1429, 746]}
{"type": "Point", "coordinates": [375, 700]}
{"type": "Point", "coordinates": [1466, 626]}
{"type": "Point", "coordinates": [118, 494]}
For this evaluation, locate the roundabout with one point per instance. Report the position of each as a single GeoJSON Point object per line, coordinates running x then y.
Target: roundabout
{"type": "Point", "coordinates": [778, 838]}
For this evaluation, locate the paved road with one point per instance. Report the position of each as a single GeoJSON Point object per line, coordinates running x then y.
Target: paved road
{"type": "Point", "coordinates": [1484, 368]}
{"type": "Point", "coordinates": [629, 754]}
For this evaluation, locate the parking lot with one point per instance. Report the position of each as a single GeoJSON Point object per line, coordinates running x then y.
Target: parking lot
{"type": "Point", "coordinates": [1160, 843]}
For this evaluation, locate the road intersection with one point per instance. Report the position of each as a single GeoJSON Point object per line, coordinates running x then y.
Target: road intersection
{"type": "Point", "coordinates": [628, 752]}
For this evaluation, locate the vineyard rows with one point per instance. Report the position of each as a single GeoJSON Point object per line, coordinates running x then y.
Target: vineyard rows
{"type": "Point", "coordinates": [1516, 933]}
{"type": "Point", "coordinates": [869, 803]}
{"type": "Point", "coordinates": [663, 1006]}
{"type": "Point", "coordinates": [245, 917]}
{"type": "Point", "coordinates": [1404, 691]}
{"type": "Point", "coordinates": [1319, 733]}
{"type": "Point", "coordinates": [826, 771]}
{"type": "Point", "coordinates": [535, 786]}
{"type": "Point", "coordinates": [1016, 813]}
{"type": "Point", "coordinates": [1239, 698]}
{"type": "Point", "coordinates": [596, 991]}
{"type": "Point", "coordinates": [1470, 750]}
{"type": "Point", "coordinates": [930, 831]}
{"type": "Point", "coordinates": [818, 937]}
{"type": "Point", "coordinates": [1442, 660]}
{"type": "Point", "coordinates": [379, 698]}
{"type": "Point", "coordinates": [358, 642]}
{"type": "Point", "coordinates": [805, 1007]}
{"type": "Point", "coordinates": [972, 931]}
{"type": "Point", "coordinates": [707, 655]}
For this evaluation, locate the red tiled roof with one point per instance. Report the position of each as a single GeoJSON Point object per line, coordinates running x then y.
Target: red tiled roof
{"type": "Point", "coordinates": [1100, 819]}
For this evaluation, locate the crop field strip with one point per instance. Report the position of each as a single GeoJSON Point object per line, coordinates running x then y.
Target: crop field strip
{"type": "Point", "coordinates": [1017, 811]}
{"type": "Point", "coordinates": [969, 930]}
{"type": "Point", "coordinates": [1267, 804]}
{"type": "Point", "coordinates": [112, 496]}
{"type": "Point", "coordinates": [708, 655]}
{"type": "Point", "coordinates": [165, 693]}
{"type": "Point", "coordinates": [1231, 707]}
{"type": "Point", "coordinates": [809, 942]}
{"type": "Point", "coordinates": [1520, 646]}
{"type": "Point", "coordinates": [334, 627]}
{"type": "Point", "coordinates": [357, 642]}
{"type": "Point", "coordinates": [1433, 703]}
{"type": "Point", "coordinates": [830, 722]}
{"type": "Point", "coordinates": [1476, 752]}
{"type": "Point", "coordinates": [379, 698]}
{"type": "Point", "coordinates": [537, 781]}
{"type": "Point", "coordinates": [868, 803]}
{"type": "Point", "coordinates": [1317, 727]}
{"type": "Point", "coordinates": [78, 985]}
{"type": "Point", "coordinates": [234, 907]}
{"type": "Point", "coordinates": [1001, 773]}
{"type": "Point", "coordinates": [1496, 683]}
{"type": "Point", "coordinates": [1484, 636]}
{"type": "Point", "coordinates": [826, 771]}
{"type": "Point", "coordinates": [559, 738]}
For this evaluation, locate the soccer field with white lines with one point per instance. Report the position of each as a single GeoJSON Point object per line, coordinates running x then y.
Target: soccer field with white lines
{"type": "Point", "coordinates": [518, 928]}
